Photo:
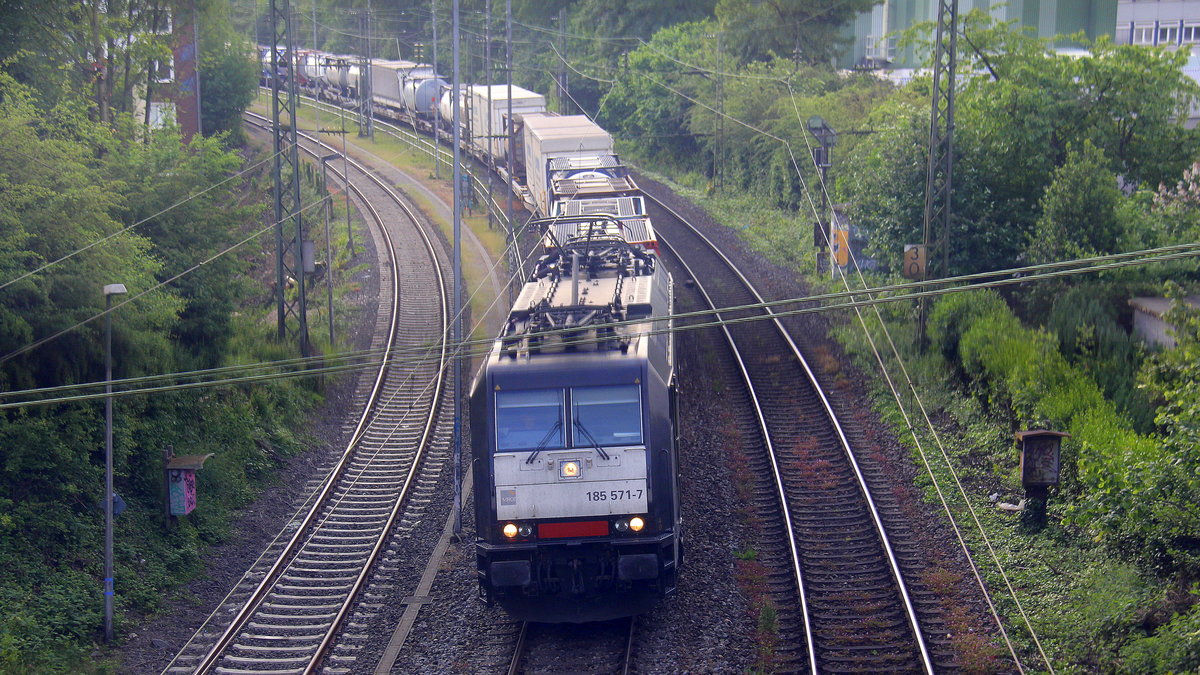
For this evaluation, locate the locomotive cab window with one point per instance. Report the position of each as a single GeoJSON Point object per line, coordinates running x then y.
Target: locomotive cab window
{"type": "Point", "coordinates": [528, 420]}
{"type": "Point", "coordinates": [606, 415]}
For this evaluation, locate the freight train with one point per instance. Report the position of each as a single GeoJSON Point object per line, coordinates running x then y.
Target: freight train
{"type": "Point", "coordinates": [573, 414]}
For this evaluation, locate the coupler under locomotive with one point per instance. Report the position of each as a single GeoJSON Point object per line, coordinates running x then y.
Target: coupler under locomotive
{"type": "Point", "coordinates": [577, 581]}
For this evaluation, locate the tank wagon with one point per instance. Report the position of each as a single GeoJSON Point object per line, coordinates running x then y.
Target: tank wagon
{"type": "Point", "coordinates": [573, 438]}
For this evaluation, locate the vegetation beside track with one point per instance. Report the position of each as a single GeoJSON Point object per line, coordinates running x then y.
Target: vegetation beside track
{"type": "Point", "coordinates": [1046, 170]}
{"type": "Point", "coordinates": [419, 166]}
{"type": "Point", "coordinates": [199, 224]}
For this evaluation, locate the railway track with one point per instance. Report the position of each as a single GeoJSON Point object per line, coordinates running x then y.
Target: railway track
{"type": "Point", "coordinates": [836, 577]}
{"type": "Point", "coordinates": [840, 584]}
{"type": "Point", "coordinates": [604, 647]}
{"type": "Point", "coordinates": [284, 614]}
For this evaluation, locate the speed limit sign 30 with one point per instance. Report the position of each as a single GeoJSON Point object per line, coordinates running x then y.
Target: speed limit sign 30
{"type": "Point", "coordinates": [914, 261]}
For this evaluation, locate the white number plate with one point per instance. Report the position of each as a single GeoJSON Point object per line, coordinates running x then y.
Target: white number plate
{"type": "Point", "coordinates": [569, 500]}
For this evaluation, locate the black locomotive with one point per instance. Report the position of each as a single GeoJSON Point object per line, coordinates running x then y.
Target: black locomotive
{"type": "Point", "coordinates": [573, 436]}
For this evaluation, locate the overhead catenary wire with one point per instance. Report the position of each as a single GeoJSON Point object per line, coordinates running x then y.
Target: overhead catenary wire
{"type": "Point", "coordinates": [959, 279]}
{"type": "Point", "coordinates": [1160, 255]}
{"type": "Point", "coordinates": [38, 343]}
{"type": "Point", "coordinates": [486, 343]}
{"type": "Point", "coordinates": [143, 221]}
{"type": "Point", "coordinates": [932, 428]}
{"type": "Point", "coordinates": [795, 164]}
{"type": "Point", "coordinates": [823, 187]}
{"type": "Point", "coordinates": [800, 175]}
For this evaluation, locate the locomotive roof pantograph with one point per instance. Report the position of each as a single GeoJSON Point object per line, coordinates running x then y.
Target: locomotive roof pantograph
{"type": "Point", "coordinates": [591, 280]}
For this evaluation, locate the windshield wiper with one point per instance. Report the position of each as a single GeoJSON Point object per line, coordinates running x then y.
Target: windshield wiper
{"type": "Point", "coordinates": [544, 442]}
{"type": "Point", "coordinates": [591, 439]}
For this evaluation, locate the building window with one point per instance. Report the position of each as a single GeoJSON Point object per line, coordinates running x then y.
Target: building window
{"type": "Point", "coordinates": [1168, 34]}
{"type": "Point", "coordinates": [1123, 34]}
{"type": "Point", "coordinates": [1143, 34]}
{"type": "Point", "coordinates": [162, 113]}
{"type": "Point", "coordinates": [1191, 32]}
{"type": "Point", "coordinates": [881, 49]}
{"type": "Point", "coordinates": [163, 71]}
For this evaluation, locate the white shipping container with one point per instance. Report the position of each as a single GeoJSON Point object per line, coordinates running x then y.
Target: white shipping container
{"type": "Point", "coordinates": [548, 138]}
{"type": "Point", "coordinates": [491, 103]}
{"type": "Point", "coordinates": [385, 82]}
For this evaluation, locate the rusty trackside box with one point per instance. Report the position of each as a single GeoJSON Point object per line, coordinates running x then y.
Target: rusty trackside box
{"type": "Point", "coordinates": [1040, 457]}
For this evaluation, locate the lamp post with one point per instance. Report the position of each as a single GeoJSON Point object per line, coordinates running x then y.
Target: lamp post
{"type": "Point", "coordinates": [109, 291]}
{"type": "Point", "coordinates": [328, 242]}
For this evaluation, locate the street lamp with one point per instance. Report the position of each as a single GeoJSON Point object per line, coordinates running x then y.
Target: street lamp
{"type": "Point", "coordinates": [328, 241]}
{"type": "Point", "coordinates": [109, 291]}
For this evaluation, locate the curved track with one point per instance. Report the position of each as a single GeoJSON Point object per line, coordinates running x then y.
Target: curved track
{"type": "Point", "coordinates": [284, 614]}
{"type": "Point", "coordinates": [845, 607]}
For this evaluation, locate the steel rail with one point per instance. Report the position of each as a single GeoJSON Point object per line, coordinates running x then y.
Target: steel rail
{"type": "Point", "coordinates": [514, 667]}
{"type": "Point", "coordinates": [627, 662]}
{"type": "Point", "coordinates": [414, 138]}
{"type": "Point", "coordinates": [766, 434]}
{"type": "Point", "coordinates": [429, 422]}
{"type": "Point", "coordinates": [331, 482]}
{"type": "Point", "coordinates": [832, 416]}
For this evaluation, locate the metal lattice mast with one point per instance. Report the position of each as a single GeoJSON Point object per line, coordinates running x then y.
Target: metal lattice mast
{"type": "Point", "coordinates": [366, 126]}
{"type": "Point", "coordinates": [514, 255]}
{"type": "Point", "coordinates": [288, 262]}
{"type": "Point", "coordinates": [939, 179]}
{"type": "Point", "coordinates": [939, 176]}
{"type": "Point", "coordinates": [491, 112]}
{"type": "Point", "coordinates": [456, 328]}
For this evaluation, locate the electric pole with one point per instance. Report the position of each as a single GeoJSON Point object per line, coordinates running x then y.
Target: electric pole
{"type": "Point", "coordinates": [939, 178]}
{"type": "Point", "coordinates": [563, 105]}
{"type": "Point", "coordinates": [366, 126]}
{"type": "Point", "coordinates": [456, 317]}
{"type": "Point", "coordinates": [491, 112]}
{"type": "Point", "coordinates": [511, 238]}
{"type": "Point", "coordinates": [437, 108]}
{"type": "Point", "coordinates": [286, 175]}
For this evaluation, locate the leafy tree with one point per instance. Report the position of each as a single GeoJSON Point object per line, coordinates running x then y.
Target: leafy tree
{"type": "Point", "coordinates": [1176, 209]}
{"type": "Point", "coordinates": [878, 175]}
{"type": "Point", "coordinates": [57, 198]}
{"type": "Point", "coordinates": [69, 186]}
{"type": "Point", "coordinates": [1173, 376]}
{"type": "Point", "coordinates": [641, 104]}
{"type": "Point", "coordinates": [1079, 209]}
{"type": "Point", "coordinates": [159, 176]}
{"type": "Point", "coordinates": [1086, 320]}
{"type": "Point", "coordinates": [229, 81]}
{"type": "Point", "coordinates": [1020, 111]}
{"type": "Point", "coordinates": [807, 31]}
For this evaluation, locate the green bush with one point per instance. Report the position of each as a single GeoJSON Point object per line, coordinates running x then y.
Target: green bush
{"type": "Point", "coordinates": [1173, 648]}
{"type": "Point", "coordinates": [1120, 485]}
{"type": "Point", "coordinates": [1098, 614]}
{"type": "Point", "coordinates": [1085, 320]}
{"type": "Point", "coordinates": [954, 313]}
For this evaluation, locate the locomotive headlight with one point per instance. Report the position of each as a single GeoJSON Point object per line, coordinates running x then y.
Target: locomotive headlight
{"type": "Point", "coordinates": [525, 530]}
{"type": "Point", "coordinates": [510, 530]}
{"type": "Point", "coordinates": [636, 524]}
{"type": "Point", "coordinates": [568, 469]}
{"type": "Point", "coordinates": [621, 526]}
